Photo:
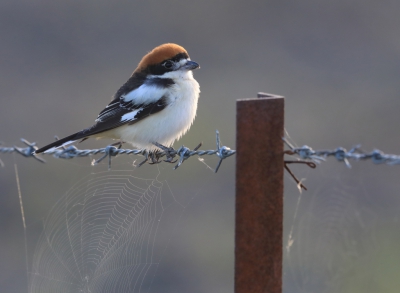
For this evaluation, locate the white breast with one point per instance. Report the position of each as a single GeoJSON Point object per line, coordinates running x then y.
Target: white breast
{"type": "Point", "coordinates": [170, 123]}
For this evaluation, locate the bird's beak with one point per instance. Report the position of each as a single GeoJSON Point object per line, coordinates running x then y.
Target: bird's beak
{"type": "Point", "coordinates": [190, 65]}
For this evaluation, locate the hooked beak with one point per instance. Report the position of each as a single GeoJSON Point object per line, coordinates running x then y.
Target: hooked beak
{"type": "Point", "coordinates": [190, 65]}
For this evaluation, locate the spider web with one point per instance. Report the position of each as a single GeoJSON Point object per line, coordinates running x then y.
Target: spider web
{"type": "Point", "coordinates": [343, 234]}
{"type": "Point", "coordinates": [101, 236]}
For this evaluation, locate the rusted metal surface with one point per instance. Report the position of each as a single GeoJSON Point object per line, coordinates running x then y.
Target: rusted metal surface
{"type": "Point", "coordinates": [259, 195]}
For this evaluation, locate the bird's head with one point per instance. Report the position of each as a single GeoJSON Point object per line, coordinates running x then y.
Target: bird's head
{"type": "Point", "coordinates": [166, 58]}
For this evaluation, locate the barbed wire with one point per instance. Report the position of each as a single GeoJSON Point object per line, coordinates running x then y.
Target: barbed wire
{"type": "Point", "coordinates": [183, 153]}
{"type": "Point", "coordinates": [222, 152]}
{"type": "Point", "coordinates": [342, 155]}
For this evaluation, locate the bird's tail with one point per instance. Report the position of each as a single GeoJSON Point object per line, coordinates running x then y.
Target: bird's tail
{"type": "Point", "coordinates": [62, 142]}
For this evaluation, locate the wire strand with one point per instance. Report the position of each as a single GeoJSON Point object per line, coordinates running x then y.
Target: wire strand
{"type": "Point", "coordinates": [71, 152]}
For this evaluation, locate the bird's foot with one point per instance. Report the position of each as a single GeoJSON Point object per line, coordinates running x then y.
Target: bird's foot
{"type": "Point", "coordinates": [155, 157]}
{"type": "Point", "coordinates": [169, 152]}
{"type": "Point", "coordinates": [152, 157]}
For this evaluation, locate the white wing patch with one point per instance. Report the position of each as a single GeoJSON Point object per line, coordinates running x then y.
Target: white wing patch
{"type": "Point", "coordinates": [130, 116]}
{"type": "Point", "coordinates": [145, 94]}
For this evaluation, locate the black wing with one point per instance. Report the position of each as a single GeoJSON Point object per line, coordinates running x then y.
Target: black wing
{"type": "Point", "coordinates": [112, 116]}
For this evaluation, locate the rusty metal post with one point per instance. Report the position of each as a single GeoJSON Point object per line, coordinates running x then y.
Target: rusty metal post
{"type": "Point", "coordinates": [259, 194]}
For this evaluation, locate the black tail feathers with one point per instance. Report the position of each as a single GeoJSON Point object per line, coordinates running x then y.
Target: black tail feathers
{"type": "Point", "coordinates": [62, 142]}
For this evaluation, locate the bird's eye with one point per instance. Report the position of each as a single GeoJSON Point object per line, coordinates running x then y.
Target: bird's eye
{"type": "Point", "coordinates": [168, 64]}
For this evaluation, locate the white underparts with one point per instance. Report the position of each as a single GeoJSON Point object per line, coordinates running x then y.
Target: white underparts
{"type": "Point", "coordinates": [170, 123]}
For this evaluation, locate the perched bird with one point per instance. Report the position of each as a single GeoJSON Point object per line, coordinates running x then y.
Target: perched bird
{"type": "Point", "coordinates": [158, 103]}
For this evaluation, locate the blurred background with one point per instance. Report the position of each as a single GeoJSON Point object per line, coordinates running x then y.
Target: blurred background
{"type": "Point", "coordinates": [336, 62]}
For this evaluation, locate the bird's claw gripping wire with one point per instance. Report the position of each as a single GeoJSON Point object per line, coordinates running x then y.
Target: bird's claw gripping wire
{"type": "Point", "coordinates": [155, 157]}
{"type": "Point", "coordinates": [184, 153]}
{"type": "Point", "coordinates": [152, 157]}
{"type": "Point", "coordinates": [169, 152]}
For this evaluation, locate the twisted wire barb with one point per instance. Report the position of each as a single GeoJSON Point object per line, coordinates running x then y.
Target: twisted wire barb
{"type": "Point", "coordinates": [183, 153]}
{"type": "Point", "coordinates": [342, 155]}
{"type": "Point", "coordinates": [110, 151]}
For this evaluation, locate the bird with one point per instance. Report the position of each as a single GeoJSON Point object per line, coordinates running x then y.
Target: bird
{"type": "Point", "coordinates": [157, 104]}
